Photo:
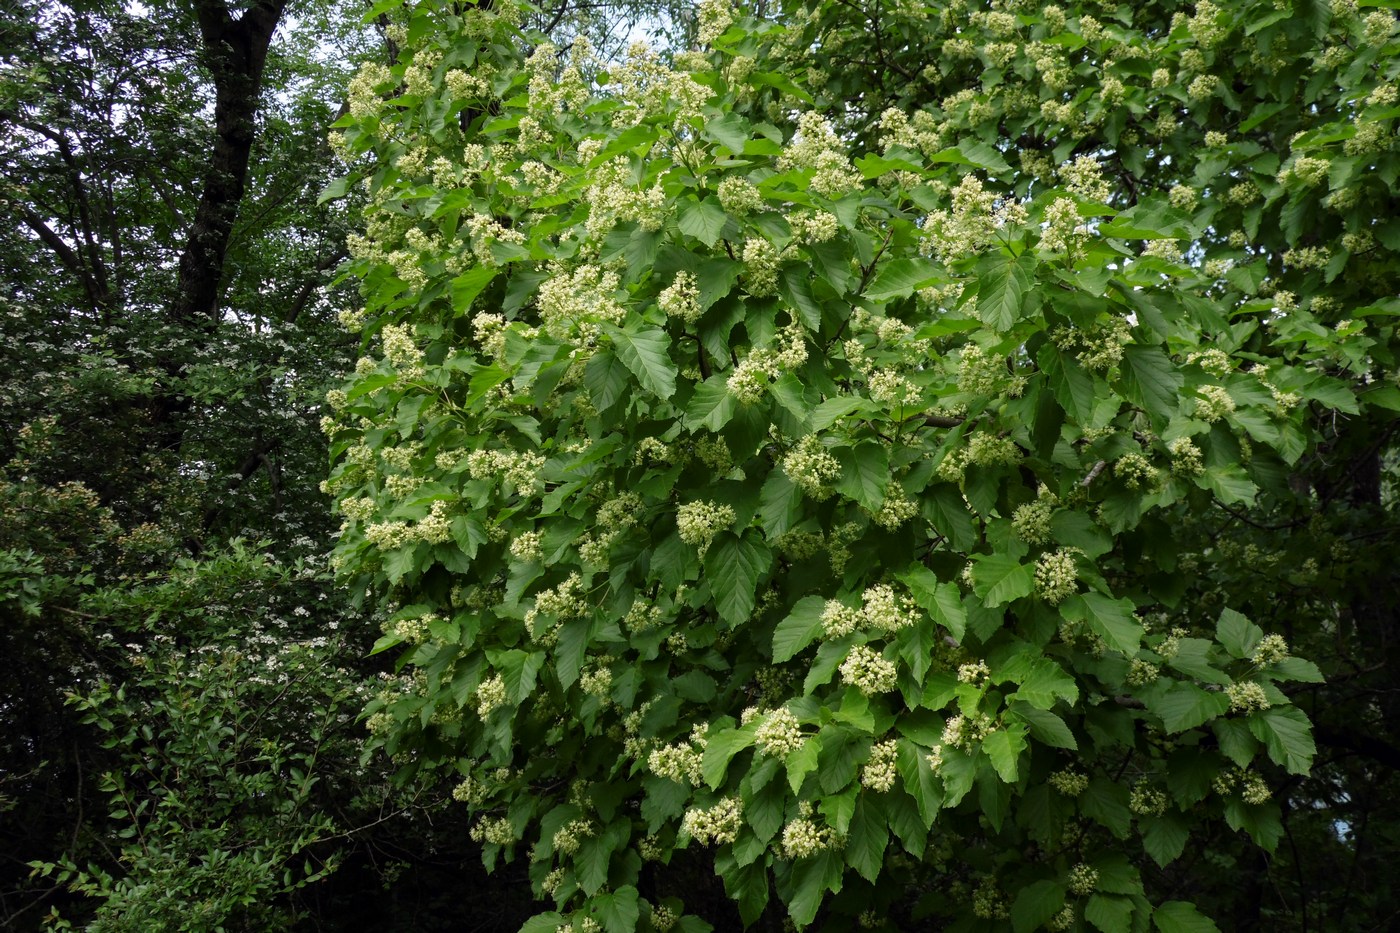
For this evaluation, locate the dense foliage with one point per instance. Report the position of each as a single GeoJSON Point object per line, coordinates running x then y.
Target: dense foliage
{"type": "Point", "coordinates": [849, 471]}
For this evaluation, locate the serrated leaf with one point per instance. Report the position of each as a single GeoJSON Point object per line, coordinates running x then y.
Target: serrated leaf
{"type": "Point", "coordinates": [866, 840]}
{"type": "Point", "coordinates": [733, 566]}
{"type": "Point", "coordinates": [1045, 726]}
{"type": "Point", "coordinates": [865, 472]}
{"type": "Point", "coordinates": [1287, 734]}
{"type": "Point", "coordinates": [1237, 634]}
{"type": "Point", "coordinates": [711, 406]}
{"type": "Point", "coordinates": [1164, 837]}
{"type": "Point", "coordinates": [1004, 748]}
{"type": "Point", "coordinates": [1151, 381]}
{"type": "Point", "coordinates": [1111, 913]}
{"type": "Point", "coordinates": [1003, 282]}
{"type": "Point", "coordinates": [467, 286]}
{"type": "Point", "coordinates": [1036, 903]}
{"type": "Point", "coordinates": [802, 762]}
{"type": "Point", "coordinates": [900, 278]}
{"type": "Point", "coordinates": [1181, 917]}
{"type": "Point", "coordinates": [1186, 706]}
{"type": "Point", "coordinates": [647, 353]}
{"type": "Point", "coordinates": [799, 629]}
{"type": "Point", "coordinates": [703, 219]}
{"type": "Point", "coordinates": [720, 749]}
{"type": "Point", "coordinates": [1001, 578]}
{"type": "Point", "coordinates": [1110, 619]}
{"type": "Point", "coordinates": [942, 601]}
{"type": "Point", "coordinates": [730, 130]}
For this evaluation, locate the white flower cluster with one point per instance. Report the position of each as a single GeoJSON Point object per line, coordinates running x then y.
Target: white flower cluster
{"type": "Point", "coordinates": [780, 734]}
{"type": "Point", "coordinates": [739, 196]}
{"type": "Point", "coordinates": [490, 696]}
{"type": "Point", "coordinates": [648, 89]}
{"type": "Point", "coordinates": [682, 299]}
{"type": "Point", "coordinates": [896, 509]}
{"type": "Point", "coordinates": [1069, 782]}
{"type": "Point", "coordinates": [699, 522]}
{"type": "Point", "coordinates": [1214, 403]}
{"type": "Point", "coordinates": [1270, 650]}
{"type": "Point", "coordinates": [1147, 800]}
{"type": "Point", "coordinates": [401, 351]}
{"type": "Point", "coordinates": [816, 146]}
{"type": "Point", "coordinates": [1186, 457]}
{"type": "Point", "coordinates": [1083, 880]}
{"type": "Point", "coordinates": [715, 16]}
{"type": "Point", "coordinates": [680, 762]}
{"type": "Point", "coordinates": [495, 831]}
{"type": "Point", "coordinates": [1135, 471]}
{"type": "Point", "coordinates": [525, 547]}
{"type": "Point", "coordinates": [878, 774]}
{"type": "Point", "coordinates": [570, 836]}
{"type": "Point", "coordinates": [967, 732]}
{"type": "Point", "coordinates": [565, 601]}
{"type": "Point", "coordinates": [573, 303]}
{"type": "Point", "coordinates": [1247, 697]}
{"type": "Point", "coordinates": [1056, 575]}
{"type": "Point", "coordinates": [971, 225]}
{"type": "Point", "coordinates": [921, 133]}
{"type": "Point", "coordinates": [811, 467]}
{"type": "Point", "coordinates": [1032, 520]}
{"type": "Point", "coordinates": [483, 231]}
{"type": "Point", "coordinates": [750, 379]}
{"type": "Point", "coordinates": [521, 470]}
{"type": "Point", "coordinates": [614, 197]}
{"type": "Point", "coordinates": [716, 825]}
{"type": "Point", "coordinates": [803, 838]}
{"type": "Point", "coordinates": [888, 611]}
{"type": "Point", "coordinates": [868, 671]}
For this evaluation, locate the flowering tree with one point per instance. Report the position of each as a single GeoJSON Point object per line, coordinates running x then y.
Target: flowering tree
{"type": "Point", "coordinates": [767, 471]}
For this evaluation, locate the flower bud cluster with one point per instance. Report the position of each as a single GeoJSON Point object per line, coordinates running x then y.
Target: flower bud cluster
{"type": "Point", "coordinates": [780, 734]}
{"type": "Point", "coordinates": [699, 522]}
{"type": "Point", "coordinates": [1247, 697]}
{"type": "Point", "coordinates": [716, 825]}
{"type": "Point", "coordinates": [878, 774]}
{"type": "Point", "coordinates": [869, 672]}
{"type": "Point", "coordinates": [682, 299]}
{"type": "Point", "coordinates": [811, 467]}
{"type": "Point", "coordinates": [1032, 520]}
{"type": "Point", "coordinates": [680, 762]}
{"type": "Point", "coordinates": [490, 696]}
{"type": "Point", "coordinates": [1270, 650]}
{"type": "Point", "coordinates": [1147, 800]}
{"type": "Point", "coordinates": [1069, 782]}
{"type": "Point", "coordinates": [1056, 575]}
{"type": "Point", "coordinates": [1186, 457]}
{"type": "Point", "coordinates": [1083, 880]}
{"type": "Point", "coordinates": [495, 831]}
{"type": "Point", "coordinates": [803, 838]}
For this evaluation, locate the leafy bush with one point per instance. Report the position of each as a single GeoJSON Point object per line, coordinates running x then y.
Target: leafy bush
{"type": "Point", "coordinates": [820, 510]}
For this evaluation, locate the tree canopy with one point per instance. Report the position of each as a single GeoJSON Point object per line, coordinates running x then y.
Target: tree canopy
{"type": "Point", "coordinates": [864, 453]}
{"type": "Point", "coordinates": [842, 465]}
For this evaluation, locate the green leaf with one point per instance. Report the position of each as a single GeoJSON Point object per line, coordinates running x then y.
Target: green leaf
{"type": "Point", "coordinates": [730, 130]}
{"type": "Point", "coordinates": [1181, 917]}
{"type": "Point", "coordinates": [942, 601]}
{"type": "Point", "coordinates": [1110, 619]}
{"type": "Point", "coordinates": [1111, 913]}
{"type": "Point", "coordinates": [900, 278]}
{"type": "Point", "coordinates": [543, 923]}
{"type": "Point", "coordinates": [842, 752]}
{"type": "Point", "coordinates": [1186, 706]}
{"type": "Point", "coordinates": [1152, 218]}
{"type": "Point", "coordinates": [467, 286]}
{"type": "Point", "coordinates": [605, 377]}
{"type": "Point", "coordinates": [1003, 282]}
{"type": "Point", "coordinates": [733, 566]}
{"type": "Point", "coordinates": [711, 406]}
{"type": "Point", "coordinates": [1045, 726]}
{"type": "Point", "coordinates": [1036, 903]}
{"type": "Point", "coordinates": [1151, 381]}
{"type": "Point", "coordinates": [1287, 734]}
{"type": "Point", "coordinates": [646, 353]}
{"type": "Point", "coordinates": [795, 286]}
{"type": "Point", "coordinates": [704, 220]}
{"type": "Point", "coordinates": [720, 749]}
{"type": "Point", "coordinates": [618, 911]}
{"type": "Point", "coordinates": [865, 472]}
{"type": "Point", "coordinates": [866, 840]}
{"type": "Point", "coordinates": [1004, 747]}
{"type": "Point", "coordinates": [802, 762]}
{"type": "Point", "coordinates": [1164, 837]}
{"type": "Point", "coordinates": [799, 629]}
{"type": "Point", "coordinates": [1043, 682]}
{"type": "Point", "coordinates": [1001, 578]}
{"type": "Point", "coordinates": [1236, 634]}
